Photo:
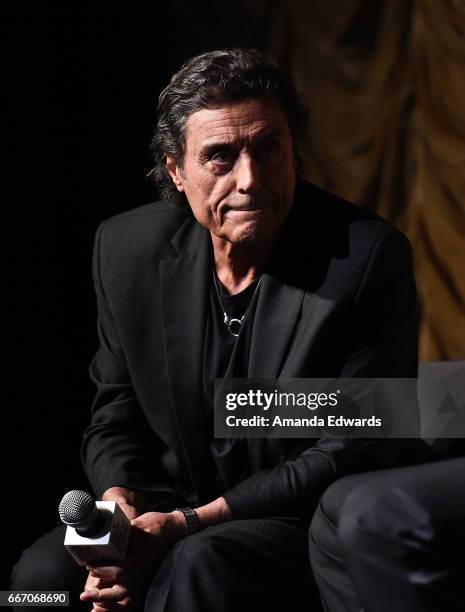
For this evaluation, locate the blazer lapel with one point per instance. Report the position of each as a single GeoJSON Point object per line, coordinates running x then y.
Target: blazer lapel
{"type": "Point", "coordinates": [184, 284]}
{"type": "Point", "coordinates": [276, 315]}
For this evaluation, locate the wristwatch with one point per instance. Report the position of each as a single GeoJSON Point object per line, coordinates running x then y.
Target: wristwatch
{"type": "Point", "coordinates": [193, 523]}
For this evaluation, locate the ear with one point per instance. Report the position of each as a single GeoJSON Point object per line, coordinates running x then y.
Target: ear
{"type": "Point", "coordinates": [174, 172]}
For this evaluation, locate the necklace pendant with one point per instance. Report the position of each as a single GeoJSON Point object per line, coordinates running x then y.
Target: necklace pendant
{"type": "Point", "coordinates": [234, 326]}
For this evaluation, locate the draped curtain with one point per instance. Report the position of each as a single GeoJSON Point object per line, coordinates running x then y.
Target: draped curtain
{"type": "Point", "coordinates": [385, 84]}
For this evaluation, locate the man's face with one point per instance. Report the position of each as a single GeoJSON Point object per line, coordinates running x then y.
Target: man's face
{"type": "Point", "coordinates": [238, 173]}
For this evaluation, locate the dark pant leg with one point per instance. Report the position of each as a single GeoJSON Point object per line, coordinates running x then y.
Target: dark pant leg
{"type": "Point", "coordinates": [47, 565]}
{"type": "Point", "coordinates": [326, 554]}
{"type": "Point", "coordinates": [404, 539]}
{"type": "Point", "coordinates": [392, 540]}
{"type": "Point", "coordinates": [241, 566]}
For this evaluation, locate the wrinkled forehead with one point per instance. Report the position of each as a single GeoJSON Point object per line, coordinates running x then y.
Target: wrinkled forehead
{"type": "Point", "coordinates": [237, 123]}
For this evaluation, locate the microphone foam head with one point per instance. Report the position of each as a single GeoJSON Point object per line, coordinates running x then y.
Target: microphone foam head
{"type": "Point", "coordinates": [76, 507]}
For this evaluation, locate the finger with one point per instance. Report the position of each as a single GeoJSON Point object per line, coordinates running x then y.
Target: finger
{"type": "Point", "coordinates": [110, 594]}
{"type": "Point", "coordinates": [113, 607]}
{"type": "Point", "coordinates": [129, 511]}
{"type": "Point", "coordinates": [124, 605]}
{"type": "Point", "coordinates": [91, 582]}
{"type": "Point", "coordinates": [88, 593]}
{"type": "Point", "coordinates": [144, 521]}
{"type": "Point", "coordinates": [111, 573]}
{"type": "Point", "coordinates": [94, 583]}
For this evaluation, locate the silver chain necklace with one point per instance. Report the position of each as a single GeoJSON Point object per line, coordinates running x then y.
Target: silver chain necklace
{"type": "Point", "coordinates": [234, 325]}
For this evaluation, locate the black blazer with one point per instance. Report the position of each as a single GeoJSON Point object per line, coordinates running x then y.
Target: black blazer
{"type": "Point", "coordinates": [337, 298]}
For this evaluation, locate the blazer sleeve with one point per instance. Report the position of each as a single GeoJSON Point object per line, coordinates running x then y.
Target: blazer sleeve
{"type": "Point", "coordinates": [384, 344]}
{"type": "Point", "coordinates": [115, 447]}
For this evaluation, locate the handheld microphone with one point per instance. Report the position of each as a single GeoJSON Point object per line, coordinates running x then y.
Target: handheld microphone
{"type": "Point", "coordinates": [97, 533]}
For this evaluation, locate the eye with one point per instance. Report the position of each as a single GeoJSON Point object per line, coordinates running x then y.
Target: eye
{"type": "Point", "coordinates": [222, 157]}
{"type": "Point", "coordinates": [269, 151]}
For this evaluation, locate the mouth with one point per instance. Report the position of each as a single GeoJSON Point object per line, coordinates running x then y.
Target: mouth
{"type": "Point", "coordinates": [247, 211]}
{"type": "Point", "coordinates": [240, 215]}
{"type": "Point", "coordinates": [245, 208]}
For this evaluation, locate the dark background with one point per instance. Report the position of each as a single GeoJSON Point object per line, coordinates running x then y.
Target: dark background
{"type": "Point", "coordinates": [82, 88]}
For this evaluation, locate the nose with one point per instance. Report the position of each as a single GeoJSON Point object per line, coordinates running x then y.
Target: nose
{"type": "Point", "coordinates": [247, 174]}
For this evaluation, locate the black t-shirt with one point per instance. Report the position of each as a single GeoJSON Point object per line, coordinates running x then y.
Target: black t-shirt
{"type": "Point", "coordinates": [226, 356]}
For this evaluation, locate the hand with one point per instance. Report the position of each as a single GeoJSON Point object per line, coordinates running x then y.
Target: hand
{"type": "Point", "coordinates": [118, 586]}
{"type": "Point", "coordinates": [97, 587]}
{"type": "Point", "coordinates": [131, 502]}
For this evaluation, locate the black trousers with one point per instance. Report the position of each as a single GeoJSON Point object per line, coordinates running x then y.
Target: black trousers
{"type": "Point", "coordinates": [240, 566]}
{"type": "Point", "coordinates": [392, 540]}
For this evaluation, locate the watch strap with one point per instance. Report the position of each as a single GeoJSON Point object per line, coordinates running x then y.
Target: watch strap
{"type": "Point", "coordinates": [193, 523]}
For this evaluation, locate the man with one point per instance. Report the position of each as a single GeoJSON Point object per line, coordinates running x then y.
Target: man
{"type": "Point", "coordinates": [245, 270]}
